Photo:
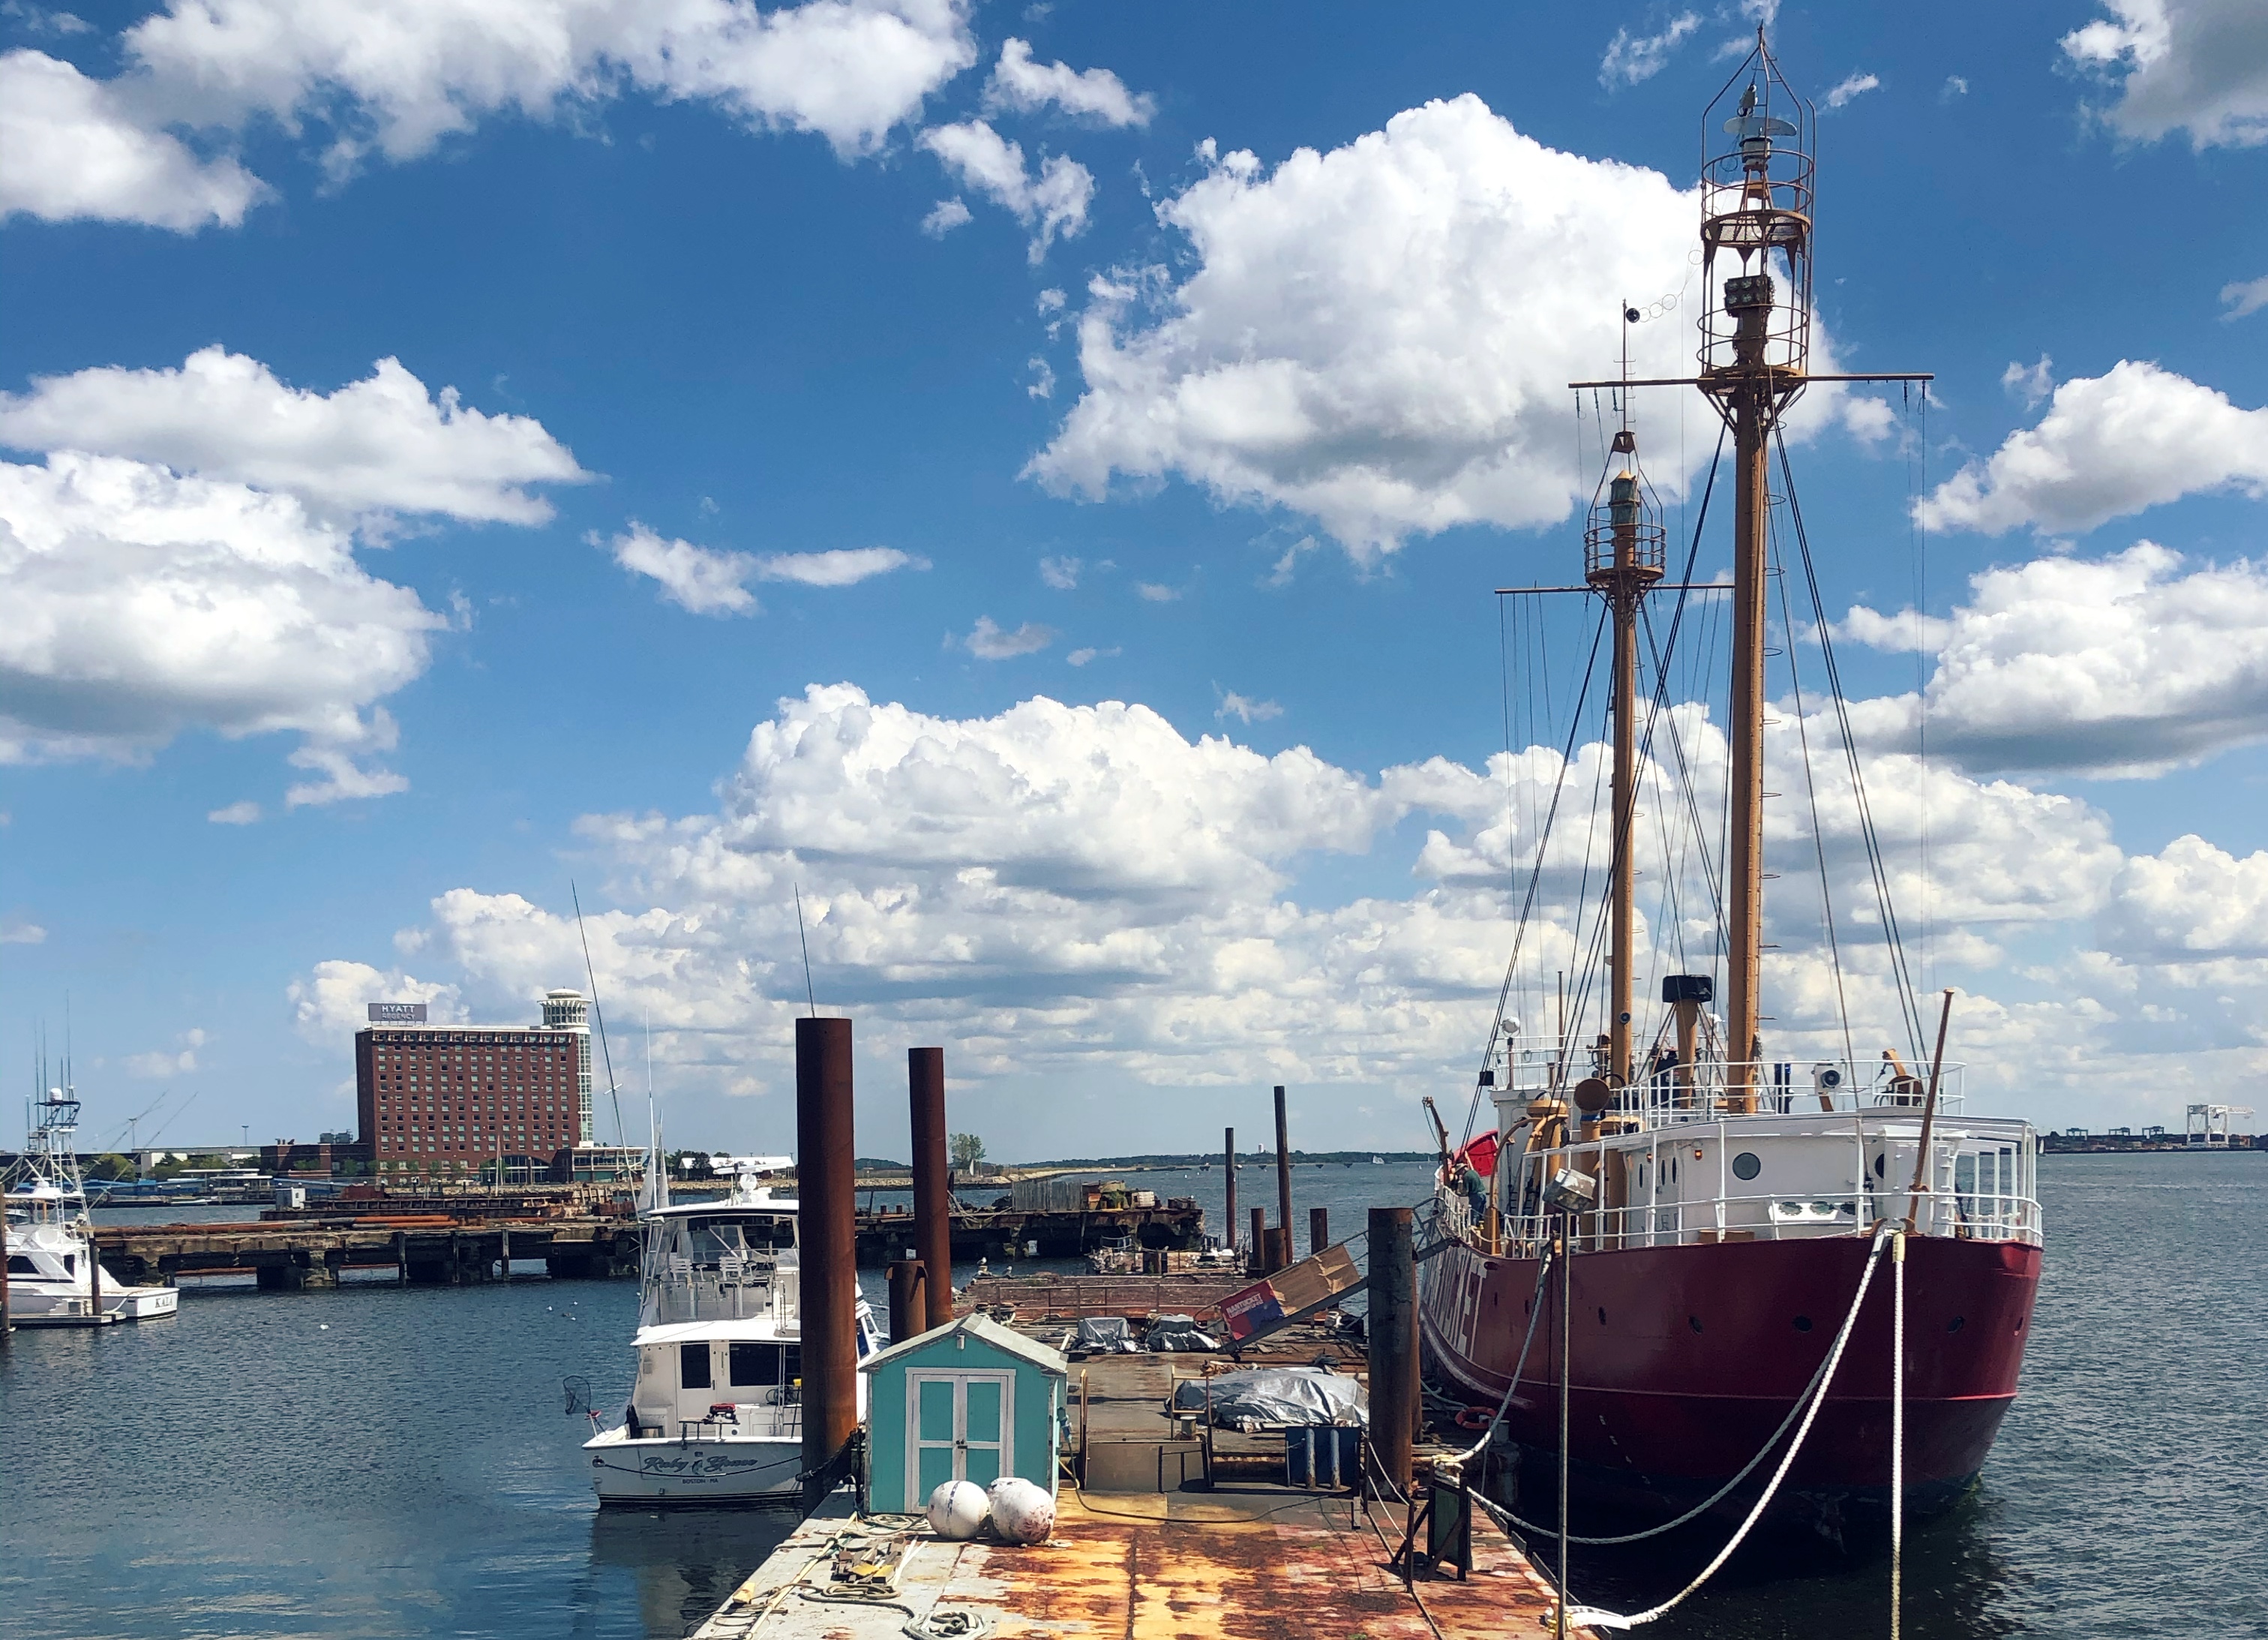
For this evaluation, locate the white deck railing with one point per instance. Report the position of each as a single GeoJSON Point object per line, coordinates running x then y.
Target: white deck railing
{"type": "Point", "coordinates": [1665, 1095]}
{"type": "Point", "coordinates": [1707, 1181]}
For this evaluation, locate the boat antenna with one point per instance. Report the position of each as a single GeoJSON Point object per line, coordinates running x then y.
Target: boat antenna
{"type": "Point", "coordinates": [614, 1093]}
{"type": "Point", "coordinates": [804, 939]}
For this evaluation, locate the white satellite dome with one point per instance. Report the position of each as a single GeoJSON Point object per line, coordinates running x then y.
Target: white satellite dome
{"type": "Point", "coordinates": [957, 1511]}
{"type": "Point", "coordinates": [1021, 1511]}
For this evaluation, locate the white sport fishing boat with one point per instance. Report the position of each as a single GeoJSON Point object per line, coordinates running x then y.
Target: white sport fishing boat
{"type": "Point", "coordinates": [715, 1413]}
{"type": "Point", "coordinates": [54, 1277]}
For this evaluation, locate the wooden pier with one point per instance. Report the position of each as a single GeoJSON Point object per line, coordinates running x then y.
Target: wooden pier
{"type": "Point", "coordinates": [290, 1256]}
{"type": "Point", "coordinates": [306, 1248]}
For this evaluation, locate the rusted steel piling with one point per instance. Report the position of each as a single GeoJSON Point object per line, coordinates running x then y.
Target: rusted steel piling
{"type": "Point", "coordinates": [932, 1183]}
{"type": "Point", "coordinates": [829, 1284]}
{"type": "Point", "coordinates": [1319, 1228]}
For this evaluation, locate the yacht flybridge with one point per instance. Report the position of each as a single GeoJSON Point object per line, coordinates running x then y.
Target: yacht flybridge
{"type": "Point", "coordinates": [715, 1413]}
{"type": "Point", "coordinates": [54, 1277]}
{"type": "Point", "coordinates": [1710, 1214]}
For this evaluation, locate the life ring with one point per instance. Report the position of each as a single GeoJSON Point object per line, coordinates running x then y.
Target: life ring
{"type": "Point", "coordinates": [1476, 1417]}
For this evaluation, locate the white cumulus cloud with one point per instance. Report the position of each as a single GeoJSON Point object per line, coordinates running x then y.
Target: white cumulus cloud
{"type": "Point", "coordinates": [1019, 83]}
{"type": "Point", "coordinates": [71, 148]}
{"type": "Point", "coordinates": [382, 446]}
{"type": "Point", "coordinates": [399, 75]}
{"type": "Point", "coordinates": [331, 1002]}
{"type": "Point", "coordinates": [2195, 65]}
{"type": "Point", "coordinates": [144, 603]}
{"type": "Point", "coordinates": [1052, 200]}
{"type": "Point", "coordinates": [1380, 336]}
{"type": "Point", "coordinates": [2135, 437]}
{"type": "Point", "coordinates": [396, 77]}
{"type": "Point", "coordinates": [1061, 886]}
{"type": "Point", "coordinates": [2126, 665]}
{"type": "Point", "coordinates": [243, 812]}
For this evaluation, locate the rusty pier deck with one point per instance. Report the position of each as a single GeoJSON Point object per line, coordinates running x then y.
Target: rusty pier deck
{"type": "Point", "coordinates": [1248, 1565]}
{"type": "Point", "coordinates": [1161, 1528]}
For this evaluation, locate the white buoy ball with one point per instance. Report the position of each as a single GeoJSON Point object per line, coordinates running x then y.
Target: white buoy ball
{"type": "Point", "coordinates": [957, 1511]}
{"type": "Point", "coordinates": [1021, 1511]}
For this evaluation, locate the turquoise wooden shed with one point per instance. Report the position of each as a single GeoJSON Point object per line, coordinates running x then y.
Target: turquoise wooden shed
{"type": "Point", "coordinates": [970, 1401]}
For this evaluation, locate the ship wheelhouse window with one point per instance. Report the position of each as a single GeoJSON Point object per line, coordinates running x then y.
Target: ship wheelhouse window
{"type": "Point", "coordinates": [18, 1264]}
{"type": "Point", "coordinates": [758, 1365]}
{"type": "Point", "coordinates": [693, 1366]}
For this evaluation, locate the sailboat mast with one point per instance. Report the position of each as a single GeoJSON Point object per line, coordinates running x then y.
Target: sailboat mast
{"type": "Point", "coordinates": [1755, 203]}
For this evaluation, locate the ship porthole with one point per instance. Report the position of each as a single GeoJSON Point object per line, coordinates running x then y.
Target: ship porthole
{"type": "Point", "coordinates": [1603, 1318]}
{"type": "Point", "coordinates": [1803, 1323]}
{"type": "Point", "coordinates": [1956, 1324]}
{"type": "Point", "coordinates": [1748, 1165]}
{"type": "Point", "coordinates": [1693, 1321]}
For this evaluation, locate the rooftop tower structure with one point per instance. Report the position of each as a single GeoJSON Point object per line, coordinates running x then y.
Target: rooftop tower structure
{"type": "Point", "coordinates": [567, 1010]}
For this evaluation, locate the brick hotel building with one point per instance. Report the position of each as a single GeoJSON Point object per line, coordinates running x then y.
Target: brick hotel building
{"type": "Point", "coordinates": [444, 1102]}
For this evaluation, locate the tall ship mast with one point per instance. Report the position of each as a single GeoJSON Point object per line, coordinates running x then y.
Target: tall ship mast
{"type": "Point", "coordinates": [1667, 1267]}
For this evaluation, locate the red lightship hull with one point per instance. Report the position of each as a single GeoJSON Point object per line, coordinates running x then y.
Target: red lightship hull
{"type": "Point", "coordinates": [1686, 1359]}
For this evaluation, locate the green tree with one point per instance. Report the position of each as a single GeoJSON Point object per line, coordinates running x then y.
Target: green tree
{"type": "Point", "coordinates": [967, 1150]}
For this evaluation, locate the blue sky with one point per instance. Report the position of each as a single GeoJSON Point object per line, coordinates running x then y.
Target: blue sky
{"type": "Point", "coordinates": [1289, 417]}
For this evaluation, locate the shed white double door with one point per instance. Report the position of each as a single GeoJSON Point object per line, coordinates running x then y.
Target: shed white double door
{"type": "Point", "coordinates": [959, 1426]}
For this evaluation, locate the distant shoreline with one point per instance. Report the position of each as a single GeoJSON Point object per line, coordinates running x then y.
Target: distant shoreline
{"type": "Point", "coordinates": [879, 1173]}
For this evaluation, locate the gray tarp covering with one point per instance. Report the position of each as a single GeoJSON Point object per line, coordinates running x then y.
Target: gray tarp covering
{"type": "Point", "coordinates": [1105, 1335]}
{"type": "Point", "coordinates": [1277, 1398]}
{"type": "Point", "coordinates": [1178, 1333]}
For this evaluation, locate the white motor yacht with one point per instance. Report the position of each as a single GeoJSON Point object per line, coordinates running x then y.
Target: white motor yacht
{"type": "Point", "coordinates": [715, 1413]}
{"type": "Point", "coordinates": [54, 1277]}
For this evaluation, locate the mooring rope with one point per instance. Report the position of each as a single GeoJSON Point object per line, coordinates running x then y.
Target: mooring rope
{"type": "Point", "coordinates": [1593, 1617]}
{"type": "Point", "coordinates": [1814, 1396]}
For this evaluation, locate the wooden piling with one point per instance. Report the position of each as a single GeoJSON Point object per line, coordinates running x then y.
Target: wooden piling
{"type": "Point", "coordinates": [1228, 1161]}
{"type": "Point", "coordinates": [1393, 1343]}
{"type": "Point", "coordinates": [908, 1302]}
{"type": "Point", "coordinates": [1260, 1241]}
{"type": "Point", "coordinates": [1283, 1177]}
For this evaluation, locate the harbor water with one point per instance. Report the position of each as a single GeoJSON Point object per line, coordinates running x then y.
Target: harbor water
{"type": "Point", "coordinates": [398, 1462]}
